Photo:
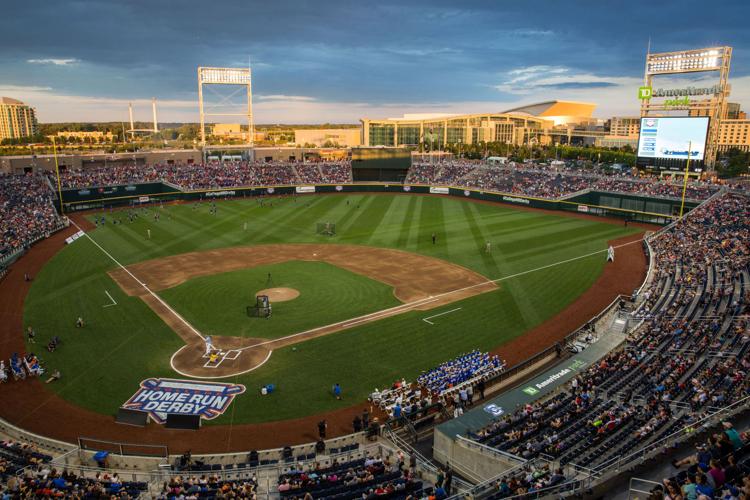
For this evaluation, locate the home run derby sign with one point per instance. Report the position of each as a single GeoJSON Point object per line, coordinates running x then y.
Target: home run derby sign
{"type": "Point", "coordinates": [159, 396]}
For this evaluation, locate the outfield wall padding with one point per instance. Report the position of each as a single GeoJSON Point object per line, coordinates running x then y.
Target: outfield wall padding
{"type": "Point", "coordinates": [623, 205]}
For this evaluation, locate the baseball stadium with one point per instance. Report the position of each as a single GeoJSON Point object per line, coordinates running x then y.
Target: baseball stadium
{"type": "Point", "coordinates": [399, 320]}
{"type": "Point", "coordinates": [302, 317]}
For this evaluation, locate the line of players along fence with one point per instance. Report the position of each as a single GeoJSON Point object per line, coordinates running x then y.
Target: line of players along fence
{"type": "Point", "coordinates": [624, 205]}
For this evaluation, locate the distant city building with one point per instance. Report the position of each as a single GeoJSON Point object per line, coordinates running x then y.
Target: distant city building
{"type": "Point", "coordinates": [560, 112]}
{"type": "Point", "coordinates": [734, 112]}
{"type": "Point", "coordinates": [616, 141]}
{"type": "Point", "coordinates": [226, 129]}
{"type": "Point", "coordinates": [734, 134]}
{"type": "Point", "coordinates": [532, 124]}
{"type": "Point", "coordinates": [17, 120]}
{"type": "Point", "coordinates": [233, 131]}
{"type": "Point", "coordinates": [95, 135]}
{"type": "Point", "coordinates": [625, 126]}
{"type": "Point", "coordinates": [339, 137]}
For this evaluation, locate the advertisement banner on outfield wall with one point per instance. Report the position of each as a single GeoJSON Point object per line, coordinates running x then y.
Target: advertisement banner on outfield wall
{"type": "Point", "coordinates": [305, 189]}
{"type": "Point", "coordinates": [143, 199]}
{"type": "Point", "coordinates": [583, 208]}
{"type": "Point", "coordinates": [516, 199]}
{"type": "Point", "coordinates": [439, 190]}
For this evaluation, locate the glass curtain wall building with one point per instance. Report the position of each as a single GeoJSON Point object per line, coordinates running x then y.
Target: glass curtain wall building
{"type": "Point", "coordinates": [436, 132]}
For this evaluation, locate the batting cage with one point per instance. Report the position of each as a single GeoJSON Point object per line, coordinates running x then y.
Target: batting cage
{"type": "Point", "coordinates": [261, 309]}
{"type": "Point", "coordinates": [326, 228]}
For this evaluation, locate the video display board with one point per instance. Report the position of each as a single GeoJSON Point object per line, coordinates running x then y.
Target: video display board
{"type": "Point", "coordinates": [670, 137]}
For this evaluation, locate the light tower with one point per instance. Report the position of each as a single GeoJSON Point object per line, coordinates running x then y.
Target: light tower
{"type": "Point", "coordinates": [701, 101]}
{"type": "Point", "coordinates": [153, 130]}
{"type": "Point", "coordinates": [239, 82]}
{"type": "Point", "coordinates": [153, 108]}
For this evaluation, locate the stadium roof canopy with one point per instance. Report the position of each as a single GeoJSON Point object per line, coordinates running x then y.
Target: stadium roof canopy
{"type": "Point", "coordinates": [561, 112]}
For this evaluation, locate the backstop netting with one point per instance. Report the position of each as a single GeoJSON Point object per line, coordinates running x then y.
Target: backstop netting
{"type": "Point", "coordinates": [326, 228]}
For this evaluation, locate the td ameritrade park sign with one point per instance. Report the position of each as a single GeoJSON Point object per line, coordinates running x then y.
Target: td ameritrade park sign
{"type": "Point", "coordinates": [648, 93]}
{"type": "Point", "coordinates": [554, 379]}
{"type": "Point", "coordinates": [160, 396]}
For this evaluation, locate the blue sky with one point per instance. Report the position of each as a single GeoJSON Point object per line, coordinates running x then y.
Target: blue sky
{"type": "Point", "coordinates": [338, 61]}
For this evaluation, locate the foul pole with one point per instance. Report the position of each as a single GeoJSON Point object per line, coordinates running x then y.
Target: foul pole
{"type": "Point", "coordinates": [684, 182]}
{"type": "Point", "coordinates": [57, 172]}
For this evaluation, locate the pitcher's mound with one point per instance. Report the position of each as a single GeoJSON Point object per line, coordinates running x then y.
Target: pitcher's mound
{"type": "Point", "coordinates": [280, 294]}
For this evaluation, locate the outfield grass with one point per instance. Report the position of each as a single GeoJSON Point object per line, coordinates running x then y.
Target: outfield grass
{"type": "Point", "coordinates": [103, 364]}
{"type": "Point", "coordinates": [216, 305]}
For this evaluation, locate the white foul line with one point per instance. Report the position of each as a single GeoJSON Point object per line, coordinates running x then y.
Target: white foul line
{"type": "Point", "coordinates": [114, 303]}
{"type": "Point", "coordinates": [428, 318]}
{"type": "Point", "coordinates": [176, 314]}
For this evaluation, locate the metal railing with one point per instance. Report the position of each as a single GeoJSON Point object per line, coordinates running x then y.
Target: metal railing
{"type": "Point", "coordinates": [123, 449]}
{"type": "Point", "coordinates": [424, 463]}
{"type": "Point", "coordinates": [504, 455]}
{"type": "Point", "coordinates": [634, 481]}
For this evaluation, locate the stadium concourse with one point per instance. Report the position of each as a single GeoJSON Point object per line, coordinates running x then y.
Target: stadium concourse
{"type": "Point", "coordinates": [689, 357]}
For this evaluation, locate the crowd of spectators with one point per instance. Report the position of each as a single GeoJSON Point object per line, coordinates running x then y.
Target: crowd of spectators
{"type": "Point", "coordinates": [208, 486]}
{"type": "Point", "coordinates": [212, 175]}
{"type": "Point", "coordinates": [531, 480]}
{"type": "Point", "coordinates": [690, 354]}
{"type": "Point", "coordinates": [370, 477]}
{"type": "Point", "coordinates": [26, 211]}
{"type": "Point", "coordinates": [549, 183]}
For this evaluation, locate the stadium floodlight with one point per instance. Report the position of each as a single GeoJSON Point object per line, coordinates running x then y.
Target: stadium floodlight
{"type": "Point", "coordinates": [687, 61]}
{"type": "Point", "coordinates": [241, 80]}
{"type": "Point", "coordinates": [704, 101]}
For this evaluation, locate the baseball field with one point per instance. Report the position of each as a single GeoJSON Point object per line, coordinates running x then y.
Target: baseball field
{"type": "Point", "coordinates": [375, 302]}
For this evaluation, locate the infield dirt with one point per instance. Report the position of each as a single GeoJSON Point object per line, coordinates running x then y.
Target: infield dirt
{"type": "Point", "coordinates": [419, 282]}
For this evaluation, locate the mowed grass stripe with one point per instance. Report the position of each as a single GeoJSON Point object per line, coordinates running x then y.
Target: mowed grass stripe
{"type": "Point", "coordinates": [362, 358]}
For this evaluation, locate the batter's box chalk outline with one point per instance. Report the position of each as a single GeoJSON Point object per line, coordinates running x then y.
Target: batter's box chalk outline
{"type": "Point", "coordinates": [215, 364]}
{"type": "Point", "coordinates": [232, 355]}
{"type": "Point", "coordinates": [206, 355]}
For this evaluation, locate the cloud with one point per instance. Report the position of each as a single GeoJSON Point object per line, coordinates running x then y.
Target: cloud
{"type": "Point", "coordinates": [531, 79]}
{"type": "Point", "coordinates": [55, 62]}
{"type": "Point", "coordinates": [422, 52]}
{"type": "Point", "coordinates": [55, 106]}
{"type": "Point", "coordinates": [282, 97]}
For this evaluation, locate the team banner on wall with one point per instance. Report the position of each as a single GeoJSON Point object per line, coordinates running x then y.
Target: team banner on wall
{"type": "Point", "coordinates": [439, 190]}
{"type": "Point", "coordinates": [305, 189]}
{"type": "Point", "coordinates": [160, 396]}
